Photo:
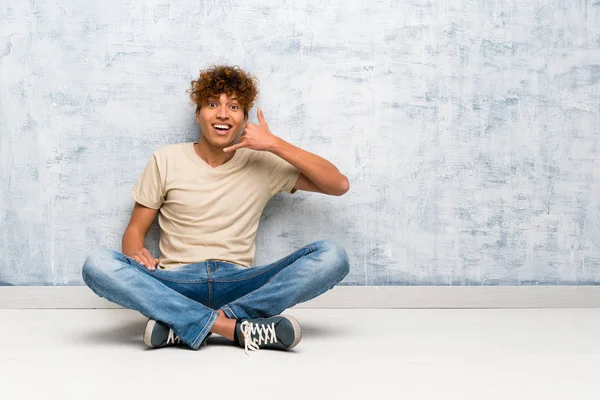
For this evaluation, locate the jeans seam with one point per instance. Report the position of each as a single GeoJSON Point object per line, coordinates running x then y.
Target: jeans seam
{"type": "Point", "coordinates": [228, 262]}
{"type": "Point", "coordinates": [259, 273]}
{"type": "Point", "coordinates": [230, 310]}
{"type": "Point", "coordinates": [252, 292]}
{"type": "Point", "coordinates": [273, 277]}
{"type": "Point", "coordinates": [195, 342]}
{"type": "Point", "coordinates": [209, 276]}
{"type": "Point", "coordinates": [145, 270]}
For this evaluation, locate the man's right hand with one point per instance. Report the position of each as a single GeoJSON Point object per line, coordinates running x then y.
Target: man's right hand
{"type": "Point", "coordinates": [144, 257]}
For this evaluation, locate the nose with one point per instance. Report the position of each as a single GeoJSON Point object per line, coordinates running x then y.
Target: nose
{"type": "Point", "coordinates": [222, 112]}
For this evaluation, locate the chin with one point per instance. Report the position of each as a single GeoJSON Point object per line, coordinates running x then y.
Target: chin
{"type": "Point", "coordinates": [221, 142]}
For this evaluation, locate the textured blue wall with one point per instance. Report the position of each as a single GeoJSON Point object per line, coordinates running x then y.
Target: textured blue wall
{"type": "Point", "coordinates": [470, 131]}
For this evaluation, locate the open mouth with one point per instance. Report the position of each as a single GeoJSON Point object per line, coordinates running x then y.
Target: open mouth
{"type": "Point", "coordinates": [222, 129]}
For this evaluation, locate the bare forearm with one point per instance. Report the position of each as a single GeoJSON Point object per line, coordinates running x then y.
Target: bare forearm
{"type": "Point", "coordinates": [320, 171]}
{"type": "Point", "coordinates": [133, 240]}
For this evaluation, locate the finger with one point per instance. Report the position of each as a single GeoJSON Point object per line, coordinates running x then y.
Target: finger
{"type": "Point", "coordinates": [151, 264]}
{"type": "Point", "coordinates": [235, 147]}
{"type": "Point", "coordinates": [147, 254]}
{"type": "Point", "coordinates": [139, 260]}
{"type": "Point", "coordinates": [261, 117]}
{"type": "Point", "coordinates": [249, 128]}
{"type": "Point", "coordinates": [144, 261]}
{"type": "Point", "coordinates": [149, 258]}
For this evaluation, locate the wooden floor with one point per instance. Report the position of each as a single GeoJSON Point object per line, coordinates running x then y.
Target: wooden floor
{"type": "Point", "coordinates": [388, 354]}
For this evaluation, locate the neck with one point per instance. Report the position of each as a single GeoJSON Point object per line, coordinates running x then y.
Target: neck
{"type": "Point", "coordinates": [213, 156]}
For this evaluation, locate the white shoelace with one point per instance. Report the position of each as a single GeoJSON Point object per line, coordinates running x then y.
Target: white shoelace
{"type": "Point", "coordinates": [266, 335]}
{"type": "Point", "coordinates": [173, 338]}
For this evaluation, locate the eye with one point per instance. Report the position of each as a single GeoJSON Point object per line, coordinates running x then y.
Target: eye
{"type": "Point", "coordinates": [236, 107]}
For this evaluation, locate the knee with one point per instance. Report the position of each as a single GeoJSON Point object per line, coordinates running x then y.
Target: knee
{"type": "Point", "coordinates": [97, 264]}
{"type": "Point", "coordinates": [335, 257]}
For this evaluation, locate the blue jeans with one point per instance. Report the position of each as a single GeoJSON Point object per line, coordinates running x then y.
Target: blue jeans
{"type": "Point", "coordinates": [187, 297]}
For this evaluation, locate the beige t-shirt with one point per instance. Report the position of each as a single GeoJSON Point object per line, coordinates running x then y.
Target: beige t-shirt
{"type": "Point", "coordinates": [210, 213]}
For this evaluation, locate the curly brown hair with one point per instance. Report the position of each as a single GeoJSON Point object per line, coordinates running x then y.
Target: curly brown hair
{"type": "Point", "coordinates": [224, 79]}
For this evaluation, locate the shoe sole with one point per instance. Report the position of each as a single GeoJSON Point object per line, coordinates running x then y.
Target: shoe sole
{"type": "Point", "coordinates": [297, 330]}
{"type": "Point", "coordinates": [148, 332]}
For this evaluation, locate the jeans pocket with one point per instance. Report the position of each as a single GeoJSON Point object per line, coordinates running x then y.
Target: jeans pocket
{"type": "Point", "coordinates": [189, 273]}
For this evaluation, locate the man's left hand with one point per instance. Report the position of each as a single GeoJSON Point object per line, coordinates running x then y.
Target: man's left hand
{"type": "Point", "coordinates": [255, 137]}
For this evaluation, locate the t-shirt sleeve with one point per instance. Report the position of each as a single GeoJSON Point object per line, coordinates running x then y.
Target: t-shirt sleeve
{"type": "Point", "coordinates": [149, 189]}
{"type": "Point", "coordinates": [282, 175]}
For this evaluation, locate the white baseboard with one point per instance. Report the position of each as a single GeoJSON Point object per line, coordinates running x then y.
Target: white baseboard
{"type": "Point", "coordinates": [350, 297]}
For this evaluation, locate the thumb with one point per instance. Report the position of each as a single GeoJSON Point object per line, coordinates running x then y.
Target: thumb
{"type": "Point", "coordinates": [261, 117]}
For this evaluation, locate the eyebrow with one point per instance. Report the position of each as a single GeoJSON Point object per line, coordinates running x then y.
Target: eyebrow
{"type": "Point", "coordinates": [214, 98]}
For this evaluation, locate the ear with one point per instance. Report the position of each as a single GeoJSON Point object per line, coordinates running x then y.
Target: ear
{"type": "Point", "coordinates": [198, 116]}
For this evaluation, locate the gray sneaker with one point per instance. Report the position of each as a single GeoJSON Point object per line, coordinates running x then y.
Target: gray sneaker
{"type": "Point", "coordinates": [158, 334]}
{"type": "Point", "coordinates": [281, 332]}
